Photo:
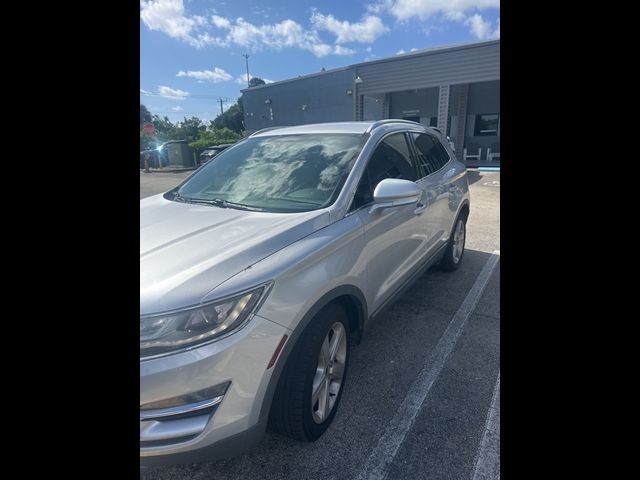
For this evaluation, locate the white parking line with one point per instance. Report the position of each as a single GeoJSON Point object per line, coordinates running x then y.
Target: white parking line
{"type": "Point", "coordinates": [487, 464]}
{"type": "Point", "coordinates": [391, 439]}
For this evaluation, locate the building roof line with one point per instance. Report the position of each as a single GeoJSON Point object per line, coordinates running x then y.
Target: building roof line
{"type": "Point", "coordinates": [299, 77]}
{"type": "Point", "coordinates": [417, 53]}
{"type": "Point", "coordinates": [430, 51]}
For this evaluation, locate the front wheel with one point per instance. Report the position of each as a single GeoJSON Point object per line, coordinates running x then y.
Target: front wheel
{"type": "Point", "coordinates": [455, 248]}
{"type": "Point", "coordinates": [311, 385]}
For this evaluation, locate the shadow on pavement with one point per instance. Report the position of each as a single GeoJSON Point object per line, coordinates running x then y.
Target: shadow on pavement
{"type": "Point", "coordinates": [473, 176]}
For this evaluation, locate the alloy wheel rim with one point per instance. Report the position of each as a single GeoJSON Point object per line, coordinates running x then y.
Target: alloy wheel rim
{"type": "Point", "coordinates": [329, 372]}
{"type": "Point", "coordinates": [458, 241]}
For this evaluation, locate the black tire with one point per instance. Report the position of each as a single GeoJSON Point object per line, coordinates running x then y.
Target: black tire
{"type": "Point", "coordinates": [291, 413]}
{"type": "Point", "coordinates": [449, 262]}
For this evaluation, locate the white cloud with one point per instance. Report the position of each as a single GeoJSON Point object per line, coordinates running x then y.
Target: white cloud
{"type": "Point", "coordinates": [173, 94]}
{"type": "Point", "coordinates": [284, 34]}
{"type": "Point", "coordinates": [380, 6]}
{"type": "Point", "coordinates": [168, 16]}
{"type": "Point", "coordinates": [144, 92]}
{"type": "Point", "coordinates": [455, 16]}
{"type": "Point", "coordinates": [340, 50]}
{"type": "Point", "coordinates": [321, 49]}
{"type": "Point", "coordinates": [365, 31]}
{"type": "Point", "coordinates": [216, 75]}
{"type": "Point", "coordinates": [220, 22]}
{"type": "Point", "coordinates": [481, 28]}
{"type": "Point", "coordinates": [242, 79]}
{"type": "Point", "coordinates": [177, 109]}
{"type": "Point", "coordinates": [402, 50]}
{"type": "Point", "coordinates": [424, 9]}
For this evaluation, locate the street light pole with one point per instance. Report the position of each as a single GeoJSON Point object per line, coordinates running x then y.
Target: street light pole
{"type": "Point", "coordinates": [246, 57]}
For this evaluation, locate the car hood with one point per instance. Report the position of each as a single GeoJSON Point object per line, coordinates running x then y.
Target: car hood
{"type": "Point", "coordinates": [186, 250]}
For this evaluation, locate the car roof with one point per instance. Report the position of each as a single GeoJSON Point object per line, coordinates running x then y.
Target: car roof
{"type": "Point", "coordinates": [333, 127]}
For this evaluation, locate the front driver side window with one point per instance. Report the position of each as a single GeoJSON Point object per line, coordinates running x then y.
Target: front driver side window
{"type": "Point", "coordinates": [391, 159]}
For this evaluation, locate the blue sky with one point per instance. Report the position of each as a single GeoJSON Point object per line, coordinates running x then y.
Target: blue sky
{"type": "Point", "coordinates": [191, 50]}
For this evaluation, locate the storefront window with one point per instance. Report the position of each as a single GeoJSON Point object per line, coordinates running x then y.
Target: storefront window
{"type": "Point", "coordinates": [487, 124]}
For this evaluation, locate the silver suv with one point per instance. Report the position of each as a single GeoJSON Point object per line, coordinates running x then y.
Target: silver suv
{"type": "Point", "coordinates": [259, 272]}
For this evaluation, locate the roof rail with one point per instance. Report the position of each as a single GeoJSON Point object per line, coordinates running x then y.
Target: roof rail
{"type": "Point", "coordinates": [262, 130]}
{"type": "Point", "coordinates": [378, 123]}
{"type": "Point", "coordinates": [437, 130]}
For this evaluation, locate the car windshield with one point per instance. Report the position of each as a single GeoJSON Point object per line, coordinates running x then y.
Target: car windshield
{"type": "Point", "coordinates": [282, 173]}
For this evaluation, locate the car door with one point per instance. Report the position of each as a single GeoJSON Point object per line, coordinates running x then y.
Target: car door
{"type": "Point", "coordinates": [395, 238]}
{"type": "Point", "coordinates": [432, 159]}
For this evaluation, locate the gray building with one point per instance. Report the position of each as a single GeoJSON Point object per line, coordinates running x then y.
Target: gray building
{"type": "Point", "coordinates": [455, 88]}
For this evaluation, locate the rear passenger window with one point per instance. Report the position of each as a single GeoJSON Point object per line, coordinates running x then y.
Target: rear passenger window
{"type": "Point", "coordinates": [432, 156]}
{"type": "Point", "coordinates": [391, 159]}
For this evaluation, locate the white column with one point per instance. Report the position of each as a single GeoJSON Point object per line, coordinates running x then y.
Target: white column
{"type": "Point", "coordinates": [443, 108]}
{"type": "Point", "coordinates": [461, 130]}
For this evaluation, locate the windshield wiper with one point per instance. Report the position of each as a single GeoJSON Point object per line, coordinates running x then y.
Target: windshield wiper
{"type": "Point", "coordinates": [214, 201]}
{"type": "Point", "coordinates": [179, 198]}
{"type": "Point", "coordinates": [242, 206]}
{"type": "Point", "coordinates": [220, 202]}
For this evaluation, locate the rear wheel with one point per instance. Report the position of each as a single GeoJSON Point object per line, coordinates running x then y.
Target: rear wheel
{"type": "Point", "coordinates": [455, 248]}
{"type": "Point", "coordinates": [311, 384]}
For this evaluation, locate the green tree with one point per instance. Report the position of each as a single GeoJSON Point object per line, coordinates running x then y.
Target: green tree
{"type": "Point", "coordinates": [164, 127]}
{"type": "Point", "coordinates": [145, 115]}
{"type": "Point", "coordinates": [233, 118]}
{"type": "Point", "coordinates": [214, 137]}
{"type": "Point", "coordinates": [189, 129]}
{"type": "Point", "coordinates": [165, 130]}
{"type": "Point", "coordinates": [255, 81]}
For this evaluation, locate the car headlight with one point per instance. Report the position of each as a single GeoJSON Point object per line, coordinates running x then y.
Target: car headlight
{"type": "Point", "coordinates": [186, 328]}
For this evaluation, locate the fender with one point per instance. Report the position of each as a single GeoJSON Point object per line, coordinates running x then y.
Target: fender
{"type": "Point", "coordinates": [327, 298]}
{"type": "Point", "coordinates": [460, 207]}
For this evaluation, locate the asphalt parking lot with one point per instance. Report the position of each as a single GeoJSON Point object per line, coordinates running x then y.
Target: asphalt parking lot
{"type": "Point", "coordinates": [422, 397]}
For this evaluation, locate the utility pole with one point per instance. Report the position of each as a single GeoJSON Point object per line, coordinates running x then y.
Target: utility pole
{"type": "Point", "coordinates": [223, 100]}
{"type": "Point", "coordinates": [246, 57]}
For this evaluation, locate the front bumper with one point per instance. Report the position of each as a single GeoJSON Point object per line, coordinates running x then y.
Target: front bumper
{"type": "Point", "coordinates": [233, 424]}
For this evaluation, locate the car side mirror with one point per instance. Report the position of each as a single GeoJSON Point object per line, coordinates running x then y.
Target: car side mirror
{"type": "Point", "coordinates": [393, 192]}
{"type": "Point", "coordinates": [451, 144]}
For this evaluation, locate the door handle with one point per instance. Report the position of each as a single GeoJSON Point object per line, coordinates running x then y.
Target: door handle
{"type": "Point", "coordinates": [421, 207]}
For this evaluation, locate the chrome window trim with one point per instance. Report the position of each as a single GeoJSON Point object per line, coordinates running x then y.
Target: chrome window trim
{"type": "Point", "coordinates": [413, 142]}
{"type": "Point", "coordinates": [377, 144]}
